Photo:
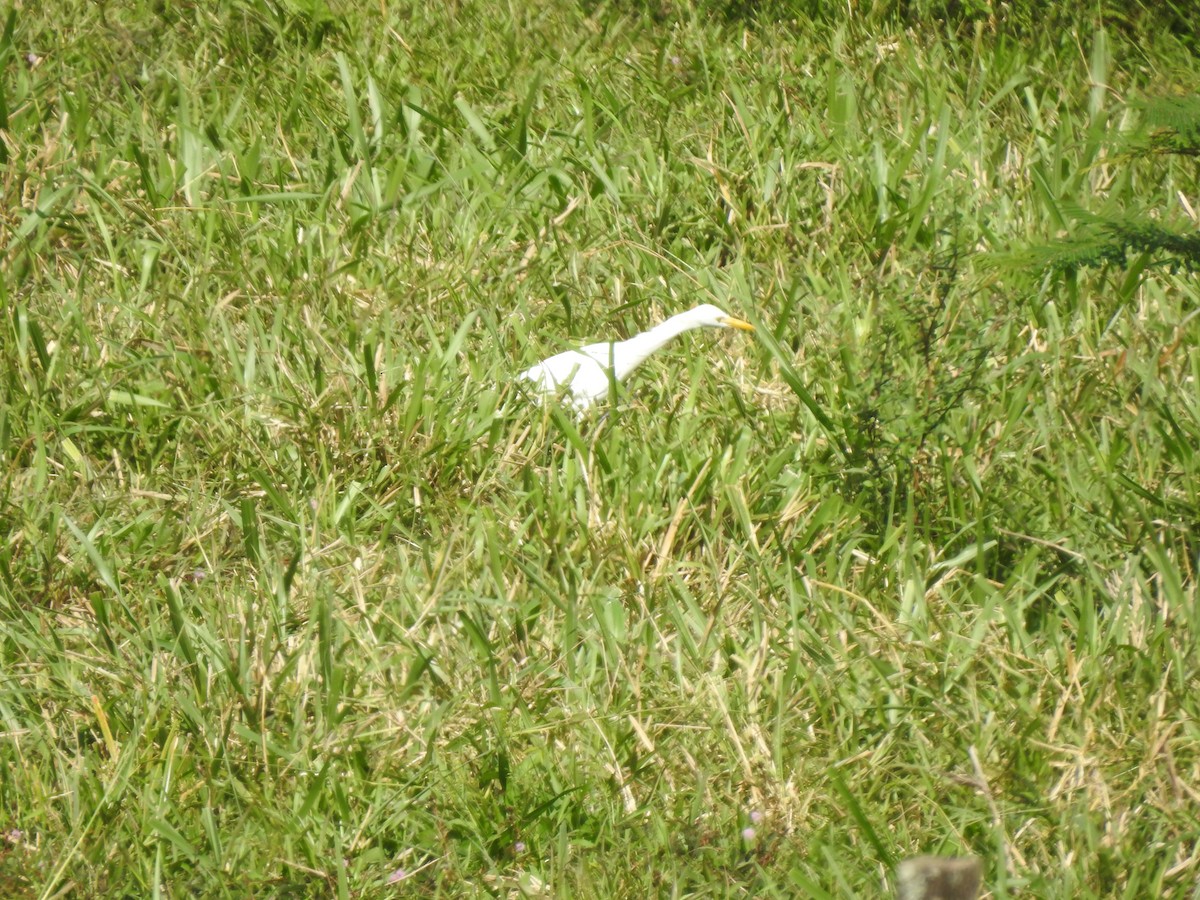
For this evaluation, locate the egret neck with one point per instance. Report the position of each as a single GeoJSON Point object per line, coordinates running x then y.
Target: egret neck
{"type": "Point", "coordinates": [629, 354]}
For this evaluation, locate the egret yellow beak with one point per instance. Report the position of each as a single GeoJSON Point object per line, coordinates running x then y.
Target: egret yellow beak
{"type": "Point", "coordinates": [731, 322]}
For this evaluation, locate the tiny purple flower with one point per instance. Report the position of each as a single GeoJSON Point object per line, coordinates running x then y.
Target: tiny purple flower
{"type": "Point", "coordinates": [755, 816]}
{"type": "Point", "coordinates": [398, 875]}
{"type": "Point", "coordinates": [519, 846]}
{"type": "Point", "coordinates": [748, 834]}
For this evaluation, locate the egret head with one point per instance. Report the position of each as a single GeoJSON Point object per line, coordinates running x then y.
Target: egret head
{"type": "Point", "coordinates": [710, 316]}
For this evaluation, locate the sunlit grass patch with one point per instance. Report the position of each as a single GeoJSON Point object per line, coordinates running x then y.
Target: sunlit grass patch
{"type": "Point", "coordinates": [302, 596]}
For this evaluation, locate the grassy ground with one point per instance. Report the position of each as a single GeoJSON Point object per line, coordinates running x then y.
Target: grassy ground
{"type": "Point", "coordinates": [299, 598]}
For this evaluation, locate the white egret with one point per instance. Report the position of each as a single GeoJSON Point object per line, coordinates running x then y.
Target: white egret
{"type": "Point", "coordinates": [584, 376]}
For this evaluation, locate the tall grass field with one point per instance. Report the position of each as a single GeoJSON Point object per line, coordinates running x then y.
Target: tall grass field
{"type": "Point", "coordinates": [302, 596]}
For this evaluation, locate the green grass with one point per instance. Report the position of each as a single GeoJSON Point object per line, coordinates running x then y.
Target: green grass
{"type": "Point", "coordinates": [297, 591]}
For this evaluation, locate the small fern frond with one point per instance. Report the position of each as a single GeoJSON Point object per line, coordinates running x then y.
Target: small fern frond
{"type": "Point", "coordinates": [1175, 124]}
{"type": "Point", "coordinates": [1103, 241]}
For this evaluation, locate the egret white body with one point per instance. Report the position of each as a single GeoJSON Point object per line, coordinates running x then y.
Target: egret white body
{"type": "Point", "coordinates": [583, 376]}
